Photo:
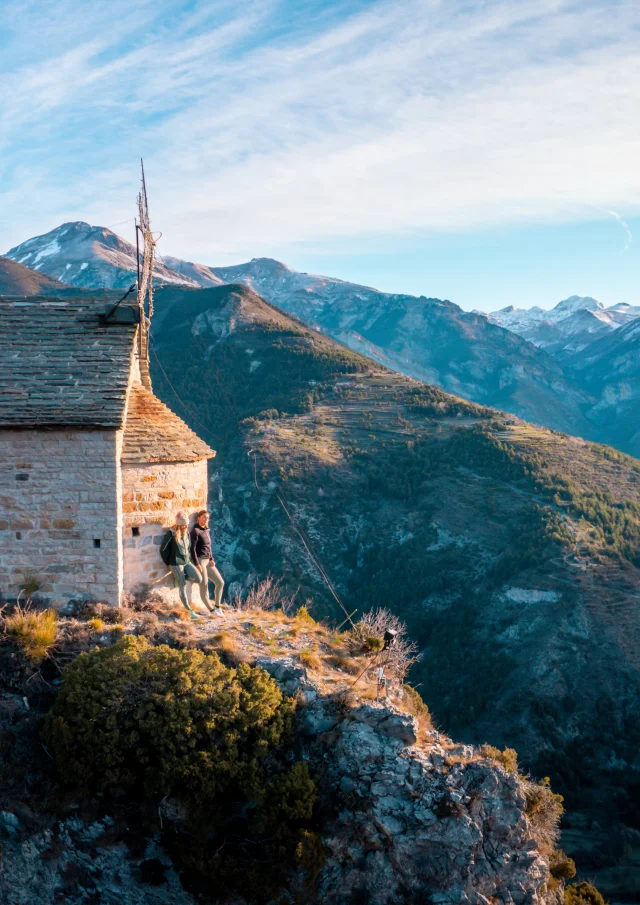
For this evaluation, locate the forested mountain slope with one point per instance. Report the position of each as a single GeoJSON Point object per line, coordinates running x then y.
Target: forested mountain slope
{"type": "Point", "coordinates": [513, 552]}
{"type": "Point", "coordinates": [430, 339]}
{"type": "Point", "coordinates": [609, 370]}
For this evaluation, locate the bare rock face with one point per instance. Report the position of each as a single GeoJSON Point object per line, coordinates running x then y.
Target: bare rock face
{"type": "Point", "coordinates": [424, 822]}
{"type": "Point", "coordinates": [411, 828]}
{"type": "Point", "coordinates": [78, 863]}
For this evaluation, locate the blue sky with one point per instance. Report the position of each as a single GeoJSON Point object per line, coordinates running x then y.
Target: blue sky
{"type": "Point", "coordinates": [486, 152]}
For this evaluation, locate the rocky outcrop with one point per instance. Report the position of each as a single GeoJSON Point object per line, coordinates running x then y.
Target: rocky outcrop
{"type": "Point", "coordinates": [414, 822]}
{"type": "Point", "coordinates": [405, 817]}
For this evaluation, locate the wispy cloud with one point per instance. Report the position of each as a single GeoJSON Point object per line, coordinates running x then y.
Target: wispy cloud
{"type": "Point", "coordinates": [625, 226]}
{"type": "Point", "coordinates": [278, 122]}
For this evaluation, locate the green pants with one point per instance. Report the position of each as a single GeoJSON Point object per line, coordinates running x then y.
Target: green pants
{"type": "Point", "coordinates": [181, 583]}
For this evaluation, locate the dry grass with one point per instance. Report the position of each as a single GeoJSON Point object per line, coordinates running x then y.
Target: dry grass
{"type": "Point", "coordinates": [96, 624]}
{"type": "Point", "coordinates": [180, 613]}
{"type": "Point", "coordinates": [147, 624]}
{"type": "Point", "coordinates": [224, 643]}
{"type": "Point", "coordinates": [178, 634]}
{"type": "Point", "coordinates": [266, 595]}
{"type": "Point", "coordinates": [507, 758]}
{"type": "Point", "coordinates": [103, 612]}
{"type": "Point", "coordinates": [310, 659]}
{"type": "Point", "coordinates": [412, 703]}
{"type": "Point", "coordinates": [258, 633]}
{"type": "Point", "coordinates": [304, 618]}
{"type": "Point", "coordinates": [344, 663]}
{"type": "Point", "coordinates": [34, 632]}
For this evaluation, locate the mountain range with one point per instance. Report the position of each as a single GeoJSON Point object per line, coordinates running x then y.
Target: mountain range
{"type": "Point", "coordinates": [512, 551]}
{"type": "Point", "coordinates": [567, 329]}
{"type": "Point", "coordinates": [532, 363]}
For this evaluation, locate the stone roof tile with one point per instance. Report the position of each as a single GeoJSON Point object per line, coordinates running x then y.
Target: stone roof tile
{"type": "Point", "coordinates": [153, 433]}
{"type": "Point", "coordinates": [59, 367]}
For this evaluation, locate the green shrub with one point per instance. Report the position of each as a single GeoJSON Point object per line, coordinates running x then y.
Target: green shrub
{"type": "Point", "coordinates": [582, 894]}
{"type": "Point", "coordinates": [288, 798]}
{"type": "Point", "coordinates": [252, 856]}
{"type": "Point", "coordinates": [164, 721]}
{"type": "Point", "coordinates": [507, 758]}
{"type": "Point", "coordinates": [562, 867]}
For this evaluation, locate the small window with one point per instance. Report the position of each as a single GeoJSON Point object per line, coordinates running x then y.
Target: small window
{"type": "Point", "coordinates": [22, 476]}
{"type": "Point", "coordinates": [18, 535]}
{"type": "Point", "coordinates": [135, 532]}
{"type": "Point", "coordinates": [96, 542]}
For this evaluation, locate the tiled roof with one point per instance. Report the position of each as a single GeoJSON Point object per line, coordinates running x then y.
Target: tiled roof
{"type": "Point", "coordinates": [154, 434]}
{"type": "Point", "coordinates": [59, 367]}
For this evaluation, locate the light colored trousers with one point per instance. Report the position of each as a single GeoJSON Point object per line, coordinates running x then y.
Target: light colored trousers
{"type": "Point", "coordinates": [210, 573]}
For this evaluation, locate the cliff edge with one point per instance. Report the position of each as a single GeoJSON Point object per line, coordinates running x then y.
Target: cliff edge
{"type": "Point", "coordinates": [401, 814]}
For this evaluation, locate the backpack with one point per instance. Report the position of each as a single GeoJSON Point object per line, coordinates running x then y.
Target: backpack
{"type": "Point", "coordinates": [165, 548]}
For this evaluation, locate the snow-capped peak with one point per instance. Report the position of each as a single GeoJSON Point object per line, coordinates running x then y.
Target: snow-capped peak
{"type": "Point", "coordinates": [91, 257]}
{"type": "Point", "coordinates": [574, 303]}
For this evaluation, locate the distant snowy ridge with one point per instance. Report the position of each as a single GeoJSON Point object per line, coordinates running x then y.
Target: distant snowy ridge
{"type": "Point", "coordinates": [568, 328]}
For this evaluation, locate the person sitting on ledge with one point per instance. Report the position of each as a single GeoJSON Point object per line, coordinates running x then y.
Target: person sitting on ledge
{"type": "Point", "coordinates": [203, 558]}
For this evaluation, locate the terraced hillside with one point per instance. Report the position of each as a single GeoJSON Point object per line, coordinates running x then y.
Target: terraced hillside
{"type": "Point", "coordinates": [512, 551]}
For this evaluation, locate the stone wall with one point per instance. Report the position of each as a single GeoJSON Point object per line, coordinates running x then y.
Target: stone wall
{"type": "Point", "coordinates": [151, 495]}
{"type": "Point", "coordinates": [59, 514]}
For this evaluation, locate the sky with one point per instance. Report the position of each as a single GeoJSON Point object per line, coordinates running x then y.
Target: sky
{"type": "Point", "coordinates": [487, 152]}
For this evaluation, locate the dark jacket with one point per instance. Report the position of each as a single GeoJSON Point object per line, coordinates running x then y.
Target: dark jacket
{"type": "Point", "coordinates": [200, 543]}
{"type": "Point", "coordinates": [173, 553]}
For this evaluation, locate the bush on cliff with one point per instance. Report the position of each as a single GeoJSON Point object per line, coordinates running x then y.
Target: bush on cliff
{"type": "Point", "coordinates": [543, 809]}
{"type": "Point", "coordinates": [258, 855]}
{"type": "Point", "coordinates": [507, 758]}
{"type": "Point", "coordinates": [164, 721]}
{"type": "Point", "coordinates": [561, 866]}
{"type": "Point", "coordinates": [582, 894]}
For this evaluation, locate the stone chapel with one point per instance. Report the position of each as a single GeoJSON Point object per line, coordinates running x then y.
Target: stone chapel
{"type": "Point", "coordinates": [93, 466]}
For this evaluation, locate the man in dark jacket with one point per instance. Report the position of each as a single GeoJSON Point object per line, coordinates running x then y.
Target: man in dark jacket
{"type": "Point", "coordinates": [203, 558]}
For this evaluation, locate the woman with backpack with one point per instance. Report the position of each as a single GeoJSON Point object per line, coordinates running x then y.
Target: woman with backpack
{"type": "Point", "coordinates": [176, 553]}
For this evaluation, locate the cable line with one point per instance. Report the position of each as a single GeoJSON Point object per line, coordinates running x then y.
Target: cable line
{"type": "Point", "coordinates": [306, 542]}
{"type": "Point", "coordinates": [179, 398]}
